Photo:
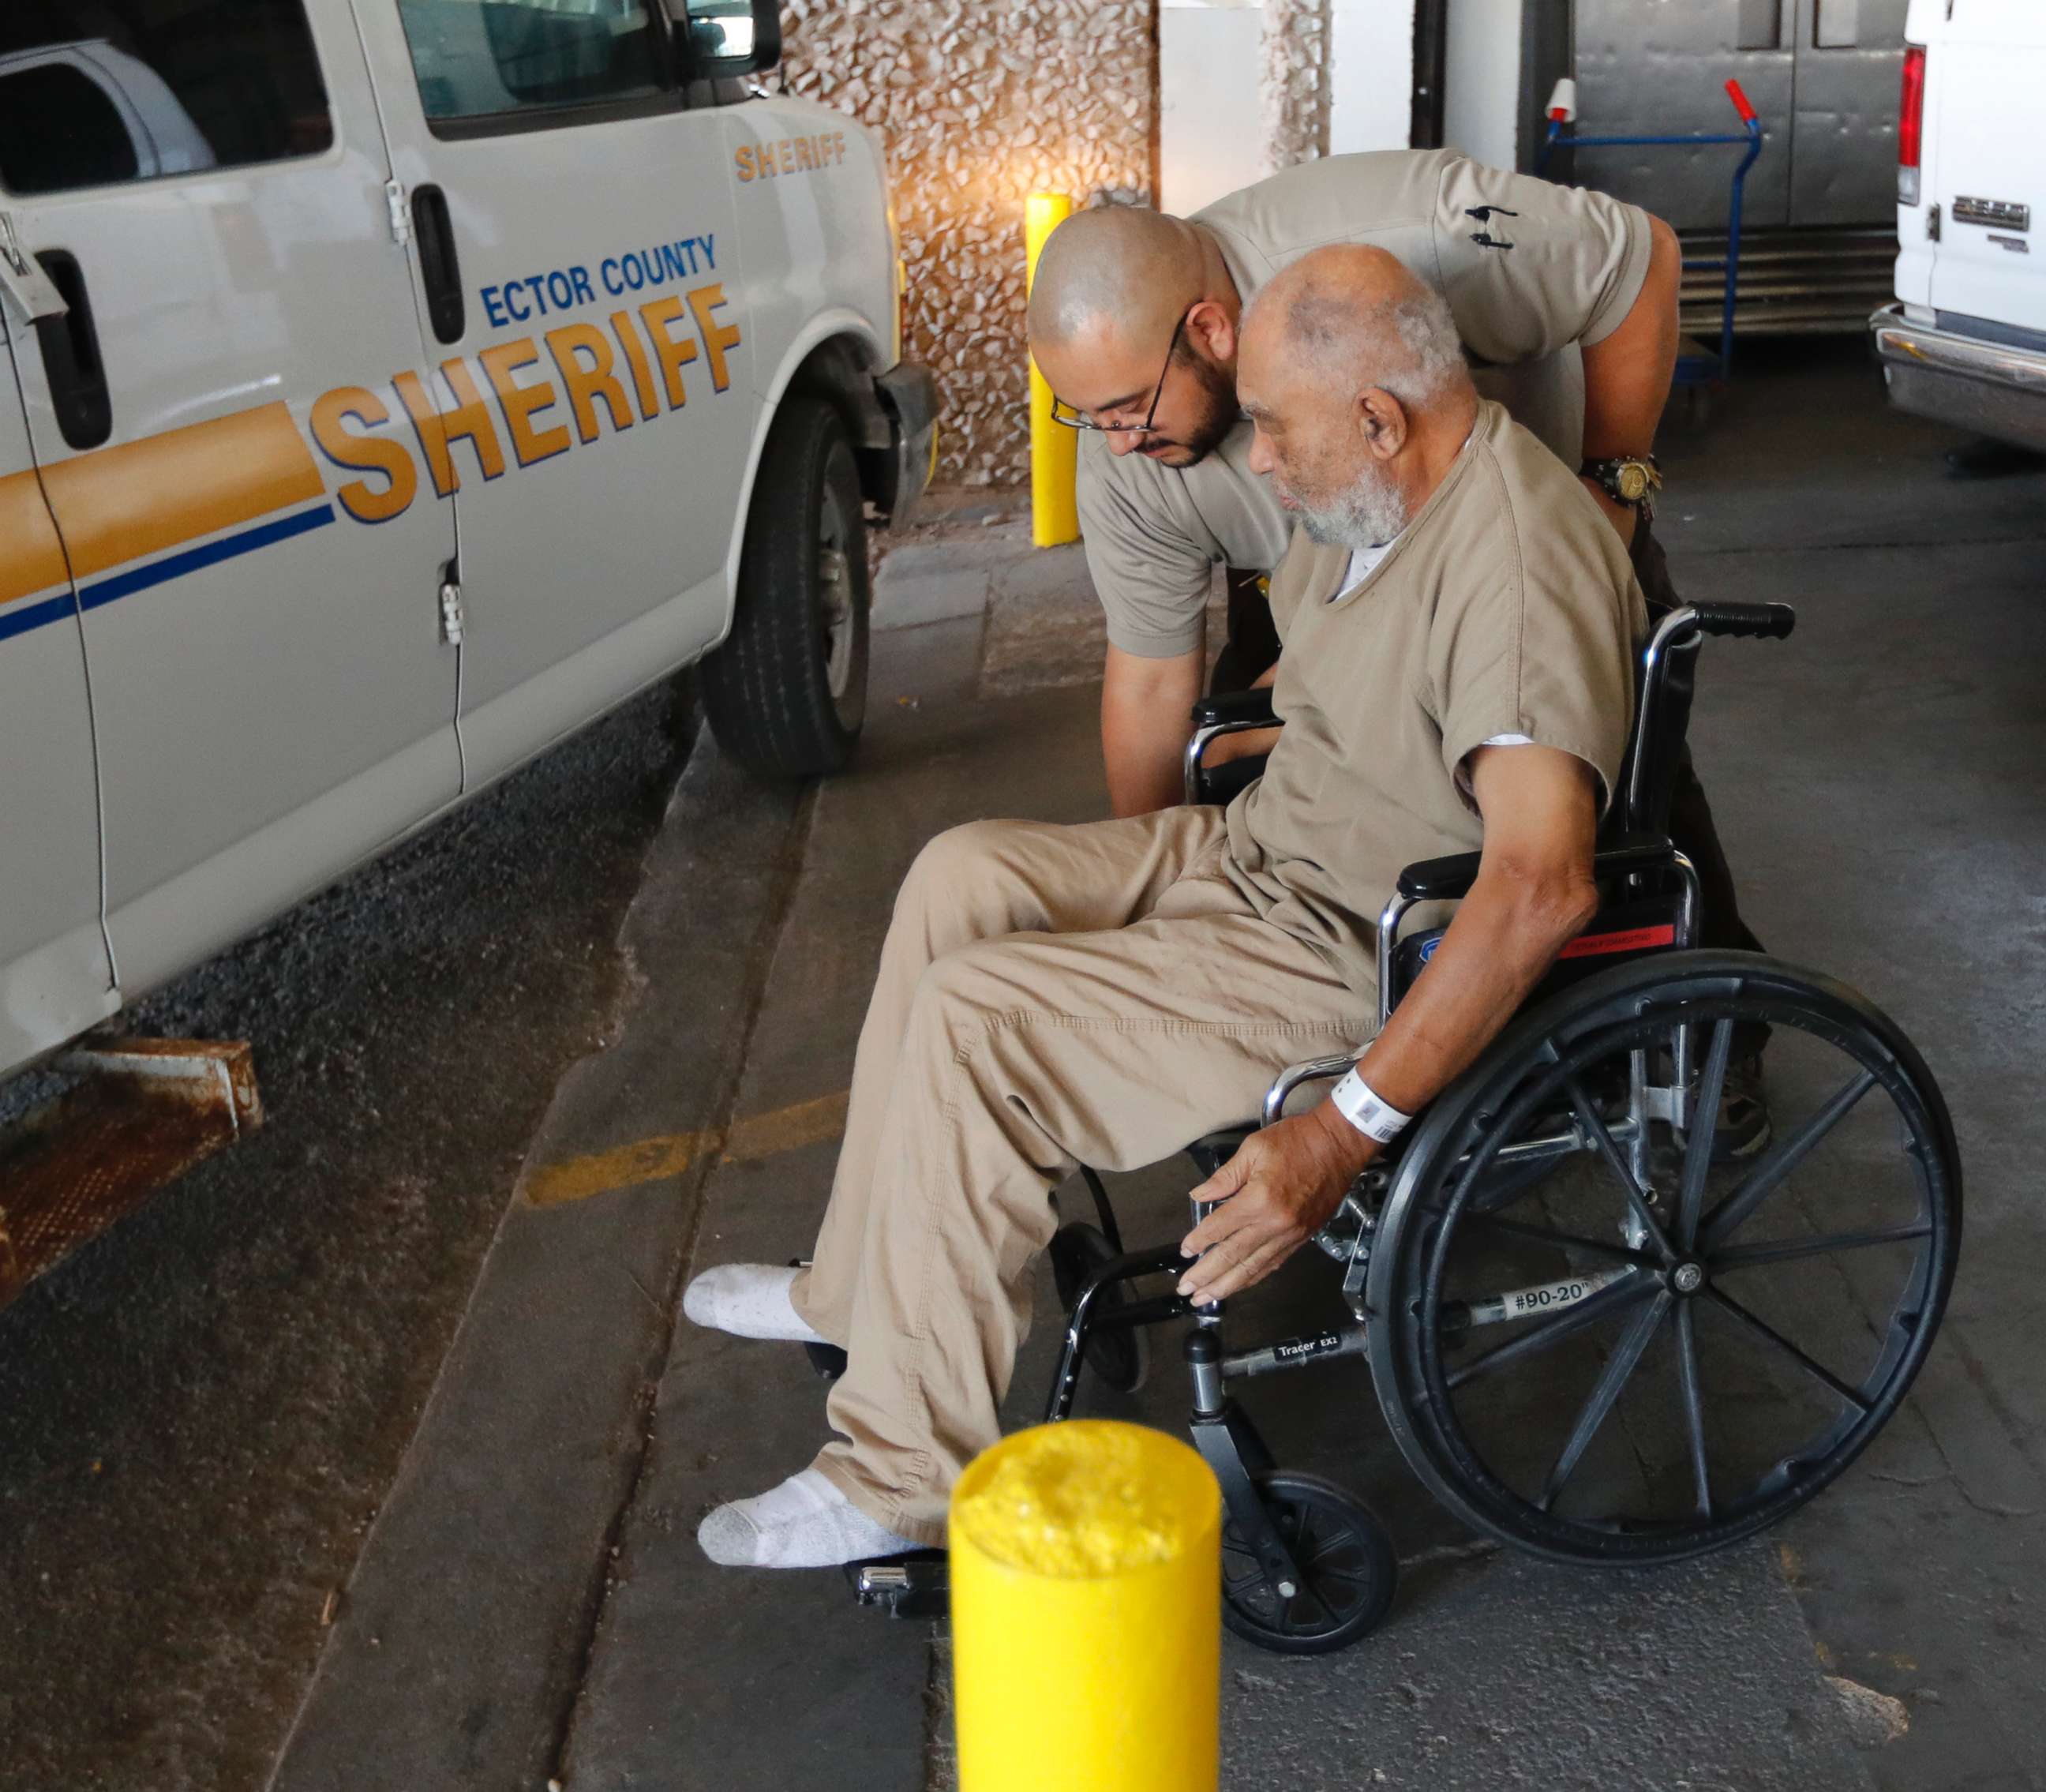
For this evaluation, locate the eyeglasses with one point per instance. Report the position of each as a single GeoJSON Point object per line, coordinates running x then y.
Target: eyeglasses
{"type": "Point", "coordinates": [1064, 413]}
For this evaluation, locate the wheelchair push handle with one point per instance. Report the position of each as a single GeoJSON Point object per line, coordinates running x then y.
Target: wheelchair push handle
{"type": "Point", "coordinates": [1766, 622]}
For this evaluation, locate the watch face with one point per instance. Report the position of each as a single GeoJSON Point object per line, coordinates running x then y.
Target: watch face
{"type": "Point", "coordinates": [1631, 477]}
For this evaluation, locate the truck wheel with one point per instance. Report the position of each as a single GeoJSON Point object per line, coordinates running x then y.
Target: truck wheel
{"type": "Point", "coordinates": [786, 692]}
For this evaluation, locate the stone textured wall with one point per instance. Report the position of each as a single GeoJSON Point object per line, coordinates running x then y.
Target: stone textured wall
{"type": "Point", "coordinates": [983, 102]}
{"type": "Point", "coordinates": [1293, 87]}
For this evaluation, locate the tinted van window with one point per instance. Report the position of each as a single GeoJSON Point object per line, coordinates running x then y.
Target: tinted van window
{"type": "Point", "coordinates": [109, 90]}
{"type": "Point", "coordinates": [477, 58]}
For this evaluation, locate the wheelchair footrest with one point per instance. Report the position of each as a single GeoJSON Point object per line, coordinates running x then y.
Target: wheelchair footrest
{"type": "Point", "coordinates": [918, 1586]}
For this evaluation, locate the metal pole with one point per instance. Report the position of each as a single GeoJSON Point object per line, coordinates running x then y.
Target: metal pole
{"type": "Point", "coordinates": [1054, 448]}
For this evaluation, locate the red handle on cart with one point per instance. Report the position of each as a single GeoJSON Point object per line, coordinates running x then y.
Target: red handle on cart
{"type": "Point", "coordinates": [1740, 102]}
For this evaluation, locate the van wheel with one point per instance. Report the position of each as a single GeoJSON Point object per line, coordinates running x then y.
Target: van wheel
{"type": "Point", "coordinates": [786, 692]}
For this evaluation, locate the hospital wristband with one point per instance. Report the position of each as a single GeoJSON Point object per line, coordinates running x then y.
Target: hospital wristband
{"type": "Point", "coordinates": [1365, 1109]}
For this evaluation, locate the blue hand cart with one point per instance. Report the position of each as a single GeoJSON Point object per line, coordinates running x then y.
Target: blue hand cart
{"type": "Point", "coordinates": [1701, 366]}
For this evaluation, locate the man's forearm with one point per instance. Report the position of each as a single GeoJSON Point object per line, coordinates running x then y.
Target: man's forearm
{"type": "Point", "coordinates": [1145, 707]}
{"type": "Point", "coordinates": [1628, 375]}
{"type": "Point", "coordinates": [1501, 943]}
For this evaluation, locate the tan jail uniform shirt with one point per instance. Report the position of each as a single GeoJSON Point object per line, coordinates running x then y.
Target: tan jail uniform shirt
{"type": "Point", "coordinates": [1506, 607]}
{"type": "Point", "coordinates": [1532, 273]}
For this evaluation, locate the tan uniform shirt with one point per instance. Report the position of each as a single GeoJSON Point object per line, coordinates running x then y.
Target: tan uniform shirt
{"type": "Point", "coordinates": [1532, 272]}
{"type": "Point", "coordinates": [1506, 607]}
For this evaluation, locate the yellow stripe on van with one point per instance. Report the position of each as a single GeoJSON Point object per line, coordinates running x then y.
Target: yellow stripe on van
{"type": "Point", "coordinates": [118, 504]}
{"type": "Point", "coordinates": [31, 556]}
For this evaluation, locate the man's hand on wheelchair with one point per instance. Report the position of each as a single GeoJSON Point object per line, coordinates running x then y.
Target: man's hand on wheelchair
{"type": "Point", "coordinates": [1282, 1187]}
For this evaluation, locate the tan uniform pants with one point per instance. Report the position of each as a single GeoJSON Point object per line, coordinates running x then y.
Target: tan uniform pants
{"type": "Point", "coordinates": [1047, 996]}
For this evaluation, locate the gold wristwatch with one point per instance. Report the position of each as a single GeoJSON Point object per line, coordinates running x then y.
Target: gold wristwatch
{"type": "Point", "coordinates": [1629, 479]}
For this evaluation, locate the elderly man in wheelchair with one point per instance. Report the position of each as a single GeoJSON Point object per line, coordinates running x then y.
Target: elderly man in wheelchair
{"type": "Point", "coordinates": [1564, 1280]}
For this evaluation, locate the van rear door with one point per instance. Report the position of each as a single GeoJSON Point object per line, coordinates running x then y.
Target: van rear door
{"type": "Point", "coordinates": [55, 980]}
{"type": "Point", "coordinates": [1986, 160]}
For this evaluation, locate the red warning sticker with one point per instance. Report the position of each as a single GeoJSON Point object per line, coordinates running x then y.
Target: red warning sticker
{"type": "Point", "coordinates": [1627, 940]}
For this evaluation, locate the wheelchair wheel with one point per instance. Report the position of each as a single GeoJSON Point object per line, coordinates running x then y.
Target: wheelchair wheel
{"type": "Point", "coordinates": [1121, 1357]}
{"type": "Point", "coordinates": [1349, 1572]}
{"type": "Point", "coordinates": [1645, 1354]}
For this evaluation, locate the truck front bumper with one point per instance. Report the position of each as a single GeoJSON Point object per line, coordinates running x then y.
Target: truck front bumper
{"type": "Point", "coordinates": [1994, 388]}
{"type": "Point", "coordinates": [909, 394]}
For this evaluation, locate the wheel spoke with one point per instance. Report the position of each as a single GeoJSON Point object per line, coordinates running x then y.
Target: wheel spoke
{"type": "Point", "coordinates": [1769, 1334]}
{"type": "Point", "coordinates": [1343, 1540]}
{"type": "Point", "coordinates": [1726, 1218]}
{"type": "Point", "coordinates": [1604, 1395]}
{"type": "Point", "coordinates": [1562, 1240]}
{"type": "Point", "coordinates": [1611, 1299]}
{"type": "Point", "coordinates": [1694, 1409]}
{"type": "Point", "coordinates": [1704, 1126]}
{"type": "Point", "coordinates": [1746, 1257]}
{"type": "Point", "coordinates": [1587, 1118]}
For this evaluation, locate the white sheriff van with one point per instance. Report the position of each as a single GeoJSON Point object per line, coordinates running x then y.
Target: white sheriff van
{"type": "Point", "coordinates": [390, 387]}
{"type": "Point", "coordinates": [1965, 342]}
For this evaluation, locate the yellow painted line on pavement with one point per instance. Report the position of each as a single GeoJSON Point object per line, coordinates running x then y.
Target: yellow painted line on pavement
{"type": "Point", "coordinates": [669, 1154]}
{"type": "Point", "coordinates": [787, 1129]}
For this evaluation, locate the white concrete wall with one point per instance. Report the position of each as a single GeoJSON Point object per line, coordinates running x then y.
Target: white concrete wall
{"type": "Point", "coordinates": [1371, 73]}
{"type": "Point", "coordinates": [1481, 102]}
{"type": "Point", "coordinates": [1210, 140]}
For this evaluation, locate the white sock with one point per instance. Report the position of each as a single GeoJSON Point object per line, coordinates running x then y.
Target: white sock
{"type": "Point", "coordinates": [748, 1301]}
{"type": "Point", "coordinates": [805, 1522]}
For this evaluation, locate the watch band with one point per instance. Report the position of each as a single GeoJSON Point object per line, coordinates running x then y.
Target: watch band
{"type": "Point", "coordinates": [1627, 478]}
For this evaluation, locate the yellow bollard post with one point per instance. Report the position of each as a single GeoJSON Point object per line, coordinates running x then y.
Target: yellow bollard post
{"type": "Point", "coordinates": [1087, 1613]}
{"type": "Point", "coordinates": [1054, 448]}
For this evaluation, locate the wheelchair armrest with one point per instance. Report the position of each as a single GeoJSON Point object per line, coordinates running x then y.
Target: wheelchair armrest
{"type": "Point", "coordinates": [1244, 708]}
{"type": "Point", "coordinates": [1231, 712]}
{"type": "Point", "coordinates": [1445, 880]}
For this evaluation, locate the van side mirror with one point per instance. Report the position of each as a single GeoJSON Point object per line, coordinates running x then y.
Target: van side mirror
{"type": "Point", "coordinates": [727, 40]}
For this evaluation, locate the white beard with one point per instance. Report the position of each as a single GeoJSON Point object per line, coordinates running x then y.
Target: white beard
{"type": "Point", "coordinates": [1368, 514]}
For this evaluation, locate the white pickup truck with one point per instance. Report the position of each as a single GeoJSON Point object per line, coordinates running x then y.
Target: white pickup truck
{"type": "Point", "coordinates": [387, 387]}
{"type": "Point", "coordinates": [1966, 341]}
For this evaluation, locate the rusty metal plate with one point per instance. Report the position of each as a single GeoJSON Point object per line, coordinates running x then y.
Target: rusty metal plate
{"type": "Point", "coordinates": [143, 1113]}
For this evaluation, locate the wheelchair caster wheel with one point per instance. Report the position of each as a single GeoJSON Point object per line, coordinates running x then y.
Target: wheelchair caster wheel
{"type": "Point", "coordinates": [1121, 1357]}
{"type": "Point", "coordinates": [1349, 1572]}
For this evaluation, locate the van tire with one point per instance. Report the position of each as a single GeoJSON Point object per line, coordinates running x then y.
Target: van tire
{"type": "Point", "coordinates": [786, 692]}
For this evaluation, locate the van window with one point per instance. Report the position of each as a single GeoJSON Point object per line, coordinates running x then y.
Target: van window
{"type": "Point", "coordinates": [111, 90]}
{"type": "Point", "coordinates": [477, 58]}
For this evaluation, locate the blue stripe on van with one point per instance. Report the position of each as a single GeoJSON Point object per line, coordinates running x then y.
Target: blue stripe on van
{"type": "Point", "coordinates": [124, 584]}
{"type": "Point", "coordinates": [192, 560]}
{"type": "Point", "coordinates": [33, 616]}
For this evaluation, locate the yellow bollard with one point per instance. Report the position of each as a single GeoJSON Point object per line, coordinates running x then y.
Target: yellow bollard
{"type": "Point", "coordinates": [1087, 1613]}
{"type": "Point", "coordinates": [1054, 448]}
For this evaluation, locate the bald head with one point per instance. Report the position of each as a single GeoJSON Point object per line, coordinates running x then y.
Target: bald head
{"type": "Point", "coordinates": [1114, 288]}
{"type": "Point", "coordinates": [1119, 271]}
{"type": "Point", "coordinates": [1352, 370]}
{"type": "Point", "coordinates": [1358, 316]}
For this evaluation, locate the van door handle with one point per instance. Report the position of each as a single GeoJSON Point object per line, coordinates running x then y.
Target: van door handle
{"type": "Point", "coordinates": [72, 362]}
{"type": "Point", "coordinates": [440, 268]}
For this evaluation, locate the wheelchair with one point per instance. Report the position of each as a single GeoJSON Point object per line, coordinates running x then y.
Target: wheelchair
{"type": "Point", "coordinates": [1601, 1328]}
